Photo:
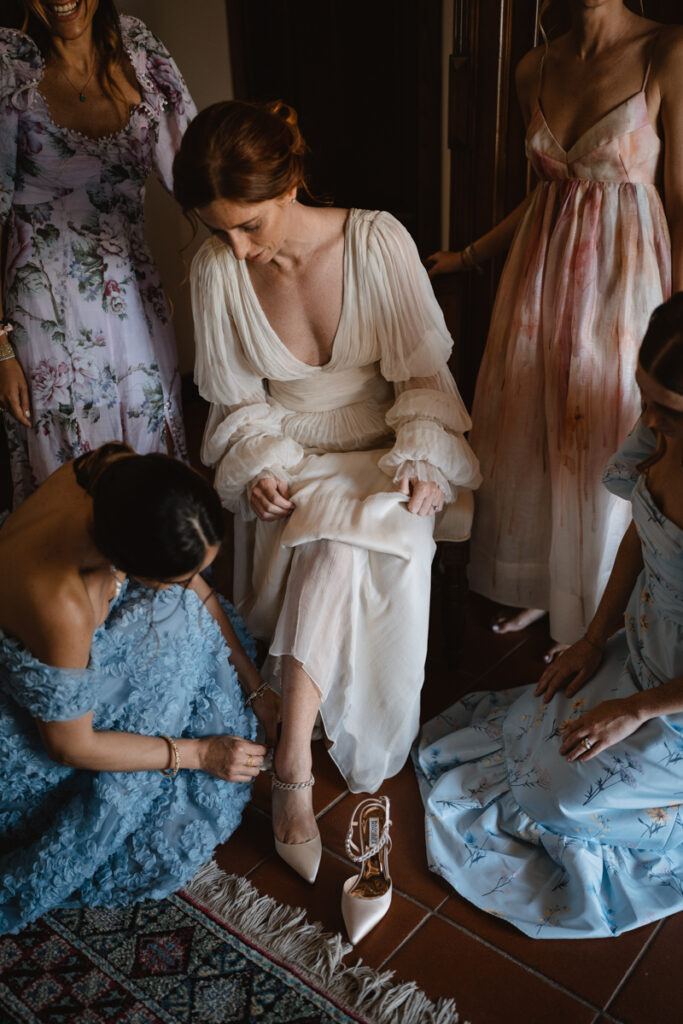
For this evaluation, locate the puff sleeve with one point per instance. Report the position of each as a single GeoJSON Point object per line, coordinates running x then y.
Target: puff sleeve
{"type": "Point", "coordinates": [165, 93]}
{"type": "Point", "coordinates": [20, 71]}
{"type": "Point", "coordinates": [621, 472]}
{"type": "Point", "coordinates": [243, 438]}
{"type": "Point", "coordinates": [428, 417]}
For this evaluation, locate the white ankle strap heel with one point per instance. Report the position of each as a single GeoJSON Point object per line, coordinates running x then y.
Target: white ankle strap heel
{"type": "Point", "coordinates": [366, 897]}
{"type": "Point", "coordinates": [304, 858]}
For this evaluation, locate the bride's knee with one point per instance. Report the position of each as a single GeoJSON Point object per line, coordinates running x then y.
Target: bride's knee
{"type": "Point", "coordinates": [334, 555]}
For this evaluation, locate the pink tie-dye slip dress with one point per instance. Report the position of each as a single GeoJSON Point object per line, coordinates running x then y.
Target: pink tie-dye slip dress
{"type": "Point", "coordinates": [556, 393]}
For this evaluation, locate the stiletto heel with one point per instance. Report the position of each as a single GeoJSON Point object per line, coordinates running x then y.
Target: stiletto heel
{"type": "Point", "coordinates": [367, 897]}
{"type": "Point", "coordinates": [304, 858]}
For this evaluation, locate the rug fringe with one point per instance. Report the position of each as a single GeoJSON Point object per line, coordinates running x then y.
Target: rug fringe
{"type": "Point", "coordinates": [316, 954]}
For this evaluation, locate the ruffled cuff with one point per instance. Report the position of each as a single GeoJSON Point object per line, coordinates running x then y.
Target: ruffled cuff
{"type": "Point", "coordinates": [249, 461]}
{"type": "Point", "coordinates": [427, 404]}
{"type": "Point", "coordinates": [426, 473]}
{"type": "Point", "coordinates": [427, 441]}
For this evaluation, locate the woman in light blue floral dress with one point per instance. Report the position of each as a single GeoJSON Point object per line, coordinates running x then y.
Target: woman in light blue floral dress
{"type": "Point", "coordinates": [560, 807]}
{"type": "Point", "coordinates": [91, 326]}
{"type": "Point", "coordinates": [126, 743]}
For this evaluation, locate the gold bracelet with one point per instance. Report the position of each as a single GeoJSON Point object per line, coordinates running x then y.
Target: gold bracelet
{"type": "Point", "coordinates": [471, 260]}
{"type": "Point", "coordinates": [6, 351]}
{"type": "Point", "coordinates": [171, 772]}
{"type": "Point", "coordinates": [593, 643]}
{"type": "Point", "coordinates": [255, 694]}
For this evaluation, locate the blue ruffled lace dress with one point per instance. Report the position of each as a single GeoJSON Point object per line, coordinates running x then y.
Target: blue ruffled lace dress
{"type": "Point", "coordinates": [583, 849]}
{"type": "Point", "coordinates": [159, 664]}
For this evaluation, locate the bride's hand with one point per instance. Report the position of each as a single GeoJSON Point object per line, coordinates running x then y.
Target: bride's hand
{"type": "Point", "coordinates": [270, 499]}
{"type": "Point", "coordinates": [426, 499]}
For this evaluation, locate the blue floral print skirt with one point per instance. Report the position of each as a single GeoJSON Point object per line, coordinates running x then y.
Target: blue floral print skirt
{"type": "Point", "coordinates": [561, 850]}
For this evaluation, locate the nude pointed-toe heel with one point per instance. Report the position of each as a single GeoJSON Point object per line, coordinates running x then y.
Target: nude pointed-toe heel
{"type": "Point", "coordinates": [366, 897]}
{"type": "Point", "coordinates": [304, 858]}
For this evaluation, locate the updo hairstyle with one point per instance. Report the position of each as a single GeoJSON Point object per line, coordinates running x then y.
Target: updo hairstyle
{"type": "Point", "coordinates": [661, 353]}
{"type": "Point", "coordinates": [245, 152]}
{"type": "Point", "coordinates": [661, 356]}
{"type": "Point", "coordinates": [153, 517]}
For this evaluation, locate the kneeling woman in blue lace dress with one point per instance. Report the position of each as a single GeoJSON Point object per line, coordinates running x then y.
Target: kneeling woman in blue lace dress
{"type": "Point", "coordinates": [559, 806]}
{"type": "Point", "coordinates": [126, 743]}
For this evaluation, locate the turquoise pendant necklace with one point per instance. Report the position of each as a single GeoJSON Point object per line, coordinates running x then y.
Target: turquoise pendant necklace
{"type": "Point", "coordinates": [81, 92]}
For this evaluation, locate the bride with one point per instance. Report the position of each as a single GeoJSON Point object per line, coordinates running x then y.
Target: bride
{"type": "Point", "coordinates": [336, 425]}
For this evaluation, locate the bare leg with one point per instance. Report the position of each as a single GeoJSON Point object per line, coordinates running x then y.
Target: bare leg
{"type": "Point", "coordinates": [293, 818]}
{"type": "Point", "coordinates": [517, 622]}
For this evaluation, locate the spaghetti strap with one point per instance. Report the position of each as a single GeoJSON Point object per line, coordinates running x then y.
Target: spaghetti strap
{"type": "Point", "coordinates": [540, 78]}
{"type": "Point", "coordinates": [649, 60]}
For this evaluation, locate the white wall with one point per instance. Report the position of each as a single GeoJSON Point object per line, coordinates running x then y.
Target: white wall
{"type": "Point", "coordinates": [197, 37]}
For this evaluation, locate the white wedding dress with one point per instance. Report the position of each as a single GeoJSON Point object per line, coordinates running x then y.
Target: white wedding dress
{"type": "Point", "coordinates": [343, 584]}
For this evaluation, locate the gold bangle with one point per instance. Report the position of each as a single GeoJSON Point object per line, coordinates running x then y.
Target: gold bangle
{"type": "Point", "coordinates": [255, 694]}
{"type": "Point", "coordinates": [171, 772]}
{"type": "Point", "coordinates": [471, 260]}
{"type": "Point", "coordinates": [6, 351]}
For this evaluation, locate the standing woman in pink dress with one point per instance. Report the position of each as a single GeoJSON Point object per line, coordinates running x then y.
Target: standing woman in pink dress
{"type": "Point", "coordinates": [593, 250]}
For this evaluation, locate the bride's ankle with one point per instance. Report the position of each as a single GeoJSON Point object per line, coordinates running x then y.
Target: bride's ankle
{"type": "Point", "coordinates": [292, 769]}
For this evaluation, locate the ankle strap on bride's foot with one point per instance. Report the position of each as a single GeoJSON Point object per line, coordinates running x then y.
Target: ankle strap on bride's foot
{"type": "Point", "coordinates": [277, 783]}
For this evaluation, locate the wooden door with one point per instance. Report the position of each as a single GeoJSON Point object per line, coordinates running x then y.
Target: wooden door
{"type": "Point", "coordinates": [365, 79]}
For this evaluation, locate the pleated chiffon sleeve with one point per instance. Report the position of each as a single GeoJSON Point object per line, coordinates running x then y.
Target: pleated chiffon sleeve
{"type": "Point", "coordinates": [243, 438]}
{"type": "Point", "coordinates": [428, 417]}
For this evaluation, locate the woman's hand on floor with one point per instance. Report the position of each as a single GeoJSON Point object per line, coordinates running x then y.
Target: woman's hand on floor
{"type": "Point", "coordinates": [608, 723]}
{"type": "Point", "coordinates": [573, 668]}
{"type": "Point", "coordinates": [426, 499]}
{"type": "Point", "coordinates": [270, 499]}
{"type": "Point", "coordinates": [231, 758]}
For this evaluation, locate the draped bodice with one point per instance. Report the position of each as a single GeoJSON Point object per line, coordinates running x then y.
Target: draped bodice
{"type": "Point", "coordinates": [328, 391]}
{"type": "Point", "coordinates": [622, 146]}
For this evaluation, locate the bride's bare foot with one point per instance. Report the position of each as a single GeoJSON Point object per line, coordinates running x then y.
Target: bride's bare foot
{"type": "Point", "coordinates": [293, 817]}
{"type": "Point", "coordinates": [514, 623]}
{"type": "Point", "coordinates": [554, 652]}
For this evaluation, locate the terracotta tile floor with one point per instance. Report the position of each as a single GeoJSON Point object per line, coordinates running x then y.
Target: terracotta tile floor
{"type": "Point", "coordinates": [431, 935]}
{"type": "Point", "coordinates": [434, 937]}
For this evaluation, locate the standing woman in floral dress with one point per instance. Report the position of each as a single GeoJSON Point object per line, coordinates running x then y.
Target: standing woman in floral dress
{"type": "Point", "coordinates": [90, 104]}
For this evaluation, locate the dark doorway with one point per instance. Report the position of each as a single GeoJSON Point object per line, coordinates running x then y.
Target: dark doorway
{"type": "Point", "coordinates": [365, 79]}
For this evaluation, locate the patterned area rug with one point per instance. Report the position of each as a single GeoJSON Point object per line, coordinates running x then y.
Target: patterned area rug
{"type": "Point", "coordinates": [176, 962]}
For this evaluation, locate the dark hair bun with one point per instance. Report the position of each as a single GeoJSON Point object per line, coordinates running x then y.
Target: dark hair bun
{"type": "Point", "coordinates": [153, 516]}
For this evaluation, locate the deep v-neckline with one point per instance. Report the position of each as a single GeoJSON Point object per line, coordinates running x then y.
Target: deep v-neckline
{"type": "Point", "coordinates": [261, 313]}
{"type": "Point", "coordinates": [567, 149]}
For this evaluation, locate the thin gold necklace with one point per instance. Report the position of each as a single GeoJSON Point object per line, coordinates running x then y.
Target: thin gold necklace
{"type": "Point", "coordinates": [81, 91]}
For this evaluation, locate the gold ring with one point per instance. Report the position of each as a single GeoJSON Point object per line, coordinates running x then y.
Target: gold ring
{"type": "Point", "coordinates": [250, 761]}
{"type": "Point", "coordinates": [587, 743]}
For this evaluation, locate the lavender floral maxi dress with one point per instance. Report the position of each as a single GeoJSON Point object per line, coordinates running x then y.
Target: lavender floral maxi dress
{"type": "Point", "coordinates": [92, 328]}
